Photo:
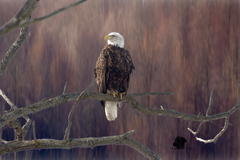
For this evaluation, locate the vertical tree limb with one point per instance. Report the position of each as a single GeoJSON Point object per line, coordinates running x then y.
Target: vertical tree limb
{"type": "Point", "coordinates": [14, 47]}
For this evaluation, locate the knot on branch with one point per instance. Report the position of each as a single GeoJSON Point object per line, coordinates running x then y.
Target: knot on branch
{"type": "Point", "coordinates": [122, 137]}
{"type": "Point", "coordinates": [18, 129]}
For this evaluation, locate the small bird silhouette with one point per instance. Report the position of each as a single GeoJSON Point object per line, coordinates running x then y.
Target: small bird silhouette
{"type": "Point", "coordinates": [179, 142]}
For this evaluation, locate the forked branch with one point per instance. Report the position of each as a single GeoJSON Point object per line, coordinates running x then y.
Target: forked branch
{"type": "Point", "coordinates": [202, 122]}
{"type": "Point", "coordinates": [27, 9]}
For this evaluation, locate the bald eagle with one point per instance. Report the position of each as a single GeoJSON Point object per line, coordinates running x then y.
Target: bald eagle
{"type": "Point", "coordinates": [112, 72]}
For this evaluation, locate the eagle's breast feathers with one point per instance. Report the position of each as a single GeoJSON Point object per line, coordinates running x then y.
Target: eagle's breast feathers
{"type": "Point", "coordinates": [113, 69]}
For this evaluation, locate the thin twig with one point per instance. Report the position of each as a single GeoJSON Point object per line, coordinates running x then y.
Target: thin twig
{"type": "Point", "coordinates": [26, 126]}
{"type": "Point", "coordinates": [238, 101]}
{"type": "Point", "coordinates": [34, 132]}
{"type": "Point", "coordinates": [150, 94]}
{"type": "Point", "coordinates": [210, 103]}
{"type": "Point", "coordinates": [67, 131]}
{"type": "Point", "coordinates": [12, 105]}
{"type": "Point", "coordinates": [199, 128]}
{"type": "Point", "coordinates": [128, 133]}
{"type": "Point", "coordinates": [65, 87]}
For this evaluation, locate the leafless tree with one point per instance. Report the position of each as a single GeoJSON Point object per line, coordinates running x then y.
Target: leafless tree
{"type": "Point", "coordinates": [22, 20]}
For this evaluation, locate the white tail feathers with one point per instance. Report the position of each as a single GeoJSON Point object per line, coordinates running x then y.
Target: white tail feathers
{"type": "Point", "coordinates": [111, 110]}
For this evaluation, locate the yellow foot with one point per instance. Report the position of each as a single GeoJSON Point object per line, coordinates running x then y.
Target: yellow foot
{"type": "Point", "coordinates": [121, 94]}
{"type": "Point", "coordinates": [112, 93]}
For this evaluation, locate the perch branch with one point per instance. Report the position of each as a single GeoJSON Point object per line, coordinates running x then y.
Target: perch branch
{"type": "Point", "coordinates": [52, 102]}
{"type": "Point", "coordinates": [88, 94]}
{"type": "Point", "coordinates": [3, 141]}
{"type": "Point", "coordinates": [150, 94]}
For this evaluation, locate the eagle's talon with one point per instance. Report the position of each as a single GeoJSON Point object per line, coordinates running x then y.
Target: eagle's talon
{"type": "Point", "coordinates": [121, 94]}
{"type": "Point", "coordinates": [112, 93]}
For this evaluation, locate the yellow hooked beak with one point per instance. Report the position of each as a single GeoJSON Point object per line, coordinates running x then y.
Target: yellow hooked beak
{"type": "Point", "coordinates": [107, 37]}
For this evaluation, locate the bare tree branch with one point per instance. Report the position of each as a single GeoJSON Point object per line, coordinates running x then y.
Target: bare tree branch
{"type": "Point", "coordinates": [17, 128]}
{"type": "Point", "coordinates": [15, 22]}
{"type": "Point", "coordinates": [141, 149]}
{"type": "Point", "coordinates": [52, 102]}
{"type": "Point", "coordinates": [200, 125]}
{"type": "Point", "coordinates": [199, 128]}
{"type": "Point", "coordinates": [90, 142]}
{"type": "Point", "coordinates": [150, 94]}
{"type": "Point", "coordinates": [13, 49]}
{"type": "Point", "coordinates": [202, 122]}
{"type": "Point", "coordinates": [27, 9]}
{"type": "Point", "coordinates": [20, 132]}
{"type": "Point", "coordinates": [3, 141]}
{"type": "Point", "coordinates": [26, 126]}
{"type": "Point", "coordinates": [218, 135]}
{"type": "Point", "coordinates": [12, 105]}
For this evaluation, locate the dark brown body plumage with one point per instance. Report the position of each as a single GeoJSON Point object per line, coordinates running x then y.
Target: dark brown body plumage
{"type": "Point", "coordinates": [113, 68]}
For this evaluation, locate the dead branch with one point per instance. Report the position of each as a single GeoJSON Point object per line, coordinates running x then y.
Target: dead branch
{"type": "Point", "coordinates": [27, 9]}
{"type": "Point", "coordinates": [140, 148]}
{"type": "Point", "coordinates": [198, 130]}
{"type": "Point", "coordinates": [88, 94]}
{"type": "Point", "coordinates": [200, 126]}
{"type": "Point", "coordinates": [90, 142]}
{"type": "Point", "coordinates": [20, 131]}
{"type": "Point", "coordinates": [15, 22]}
{"type": "Point", "coordinates": [150, 94]}
{"type": "Point", "coordinates": [218, 135]}
{"type": "Point", "coordinates": [63, 98]}
{"type": "Point", "coordinates": [14, 47]}
{"type": "Point", "coordinates": [17, 128]}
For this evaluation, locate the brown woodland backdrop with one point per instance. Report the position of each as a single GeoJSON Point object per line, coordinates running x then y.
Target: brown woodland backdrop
{"type": "Point", "coordinates": [188, 47]}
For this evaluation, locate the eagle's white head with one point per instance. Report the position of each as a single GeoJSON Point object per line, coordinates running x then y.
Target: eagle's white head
{"type": "Point", "coordinates": [115, 39]}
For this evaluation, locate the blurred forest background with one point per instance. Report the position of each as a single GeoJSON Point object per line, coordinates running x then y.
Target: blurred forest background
{"type": "Point", "coordinates": [188, 47]}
